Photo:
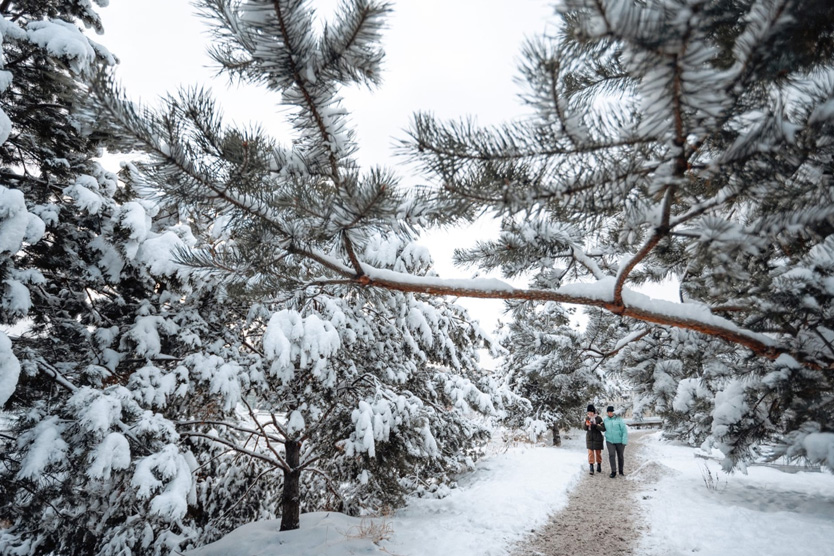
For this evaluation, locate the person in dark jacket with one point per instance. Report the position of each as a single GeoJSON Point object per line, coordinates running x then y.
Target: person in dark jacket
{"type": "Point", "coordinates": [616, 438]}
{"type": "Point", "coordinates": [594, 438]}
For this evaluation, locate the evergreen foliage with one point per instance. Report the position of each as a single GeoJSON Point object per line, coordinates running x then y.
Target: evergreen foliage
{"type": "Point", "coordinates": [238, 382]}
{"type": "Point", "coordinates": [682, 139]}
{"type": "Point", "coordinates": [103, 330]}
{"type": "Point", "coordinates": [149, 407]}
{"type": "Point", "coordinates": [548, 367]}
{"type": "Point", "coordinates": [669, 139]}
{"type": "Point", "coordinates": [81, 305]}
{"type": "Point", "coordinates": [240, 328]}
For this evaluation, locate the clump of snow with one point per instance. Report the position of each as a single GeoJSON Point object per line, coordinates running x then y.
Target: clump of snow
{"type": "Point", "coordinates": [45, 447]}
{"type": "Point", "coordinates": [535, 428]}
{"type": "Point", "coordinates": [730, 407]}
{"type": "Point", "coordinates": [429, 442]}
{"type": "Point", "coordinates": [16, 298]}
{"type": "Point", "coordinates": [9, 369]}
{"type": "Point", "coordinates": [152, 386]}
{"type": "Point", "coordinates": [158, 253]}
{"type": "Point", "coordinates": [17, 224]}
{"type": "Point", "coordinates": [418, 321]}
{"type": "Point", "coordinates": [372, 424]}
{"type": "Point", "coordinates": [664, 376]}
{"type": "Point", "coordinates": [809, 442]}
{"type": "Point", "coordinates": [111, 262]}
{"type": "Point", "coordinates": [171, 491]}
{"type": "Point", "coordinates": [5, 126]}
{"type": "Point", "coordinates": [295, 422]}
{"type": "Point", "coordinates": [112, 453]}
{"type": "Point", "coordinates": [105, 336]}
{"type": "Point", "coordinates": [134, 217]}
{"type": "Point", "coordinates": [85, 194]}
{"type": "Point", "coordinates": [307, 342]}
{"type": "Point", "coordinates": [64, 40]}
{"type": "Point", "coordinates": [819, 447]}
{"type": "Point", "coordinates": [466, 394]}
{"type": "Point", "coordinates": [650, 472]}
{"type": "Point", "coordinates": [98, 412]}
{"type": "Point", "coordinates": [145, 334]}
{"type": "Point", "coordinates": [48, 213]}
{"type": "Point", "coordinates": [689, 390]}
{"type": "Point", "coordinates": [226, 381]}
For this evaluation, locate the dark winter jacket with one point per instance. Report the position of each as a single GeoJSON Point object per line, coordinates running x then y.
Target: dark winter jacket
{"type": "Point", "coordinates": [593, 438]}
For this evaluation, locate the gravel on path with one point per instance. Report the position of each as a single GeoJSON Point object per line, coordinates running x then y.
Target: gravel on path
{"type": "Point", "coordinates": [602, 515]}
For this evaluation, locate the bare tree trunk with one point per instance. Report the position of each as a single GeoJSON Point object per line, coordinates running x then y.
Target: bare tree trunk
{"type": "Point", "coordinates": [557, 438]}
{"type": "Point", "coordinates": [291, 496]}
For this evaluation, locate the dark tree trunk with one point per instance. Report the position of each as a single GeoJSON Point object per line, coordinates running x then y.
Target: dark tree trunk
{"type": "Point", "coordinates": [291, 496]}
{"type": "Point", "coordinates": [557, 438]}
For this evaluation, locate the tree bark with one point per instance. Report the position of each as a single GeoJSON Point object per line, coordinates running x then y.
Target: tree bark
{"type": "Point", "coordinates": [557, 438]}
{"type": "Point", "coordinates": [291, 495]}
{"type": "Point", "coordinates": [709, 324]}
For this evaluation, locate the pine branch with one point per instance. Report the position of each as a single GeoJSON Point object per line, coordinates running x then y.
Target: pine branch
{"type": "Point", "coordinates": [275, 463]}
{"type": "Point", "coordinates": [660, 231]}
{"type": "Point", "coordinates": [327, 480]}
{"type": "Point", "coordinates": [55, 374]}
{"type": "Point", "coordinates": [346, 48]}
{"type": "Point", "coordinates": [233, 426]}
{"type": "Point", "coordinates": [463, 142]}
{"type": "Point", "coordinates": [301, 83]}
{"type": "Point", "coordinates": [352, 254]}
{"type": "Point", "coordinates": [267, 436]}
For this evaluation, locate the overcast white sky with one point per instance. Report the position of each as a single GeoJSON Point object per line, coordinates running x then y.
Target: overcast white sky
{"type": "Point", "coordinates": [450, 57]}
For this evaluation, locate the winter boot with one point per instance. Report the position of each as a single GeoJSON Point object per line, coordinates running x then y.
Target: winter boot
{"type": "Point", "coordinates": [612, 475]}
{"type": "Point", "coordinates": [599, 468]}
{"type": "Point", "coordinates": [592, 469]}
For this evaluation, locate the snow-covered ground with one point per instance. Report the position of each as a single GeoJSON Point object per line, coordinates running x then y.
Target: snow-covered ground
{"type": "Point", "coordinates": [765, 512]}
{"type": "Point", "coordinates": [508, 494]}
{"type": "Point", "coordinates": [512, 492]}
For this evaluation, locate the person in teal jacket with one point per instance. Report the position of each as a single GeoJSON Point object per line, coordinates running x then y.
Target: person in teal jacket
{"type": "Point", "coordinates": [616, 438]}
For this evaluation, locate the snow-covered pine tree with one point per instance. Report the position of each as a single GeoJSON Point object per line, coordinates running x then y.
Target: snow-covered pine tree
{"type": "Point", "coordinates": [100, 330]}
{"type": "Point", "coordinates": [58, 301]}
{"type": "Point", "coordinates": [548, 366]}
{"type": "Point", "coordinates": [684, 139]}
{"type": "Point", "coordinates": [675, 375]}
{"type": "Point", "coordinates": [40, 148]}
{"type": "Point", "coordinates": [670, 138]}
{"type": "Point", "coordinates": [711, 394]}
{"type": "Point", "coordinates": [374, 396]}
{"type": "Point", "coordinates": [370, 391]}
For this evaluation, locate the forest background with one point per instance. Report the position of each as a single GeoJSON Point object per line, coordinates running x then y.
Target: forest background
{"type": "Point", "coordinates": [240, 320]}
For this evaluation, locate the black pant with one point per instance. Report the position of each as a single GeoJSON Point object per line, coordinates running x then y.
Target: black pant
{"type": "Point", "coordinates": [619, 449]}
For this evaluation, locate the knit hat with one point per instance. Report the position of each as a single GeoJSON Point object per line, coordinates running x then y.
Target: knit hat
{"type": "Point", "coordinates": [610, 409]}
{"type": "Point", "coordinates": [592, 409]}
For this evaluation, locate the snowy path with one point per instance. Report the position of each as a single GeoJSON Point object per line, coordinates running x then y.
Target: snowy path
{"type": "Point", "coordinates": [602, 515]}
{"type": "Point", "coordinates": [661, 508]}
